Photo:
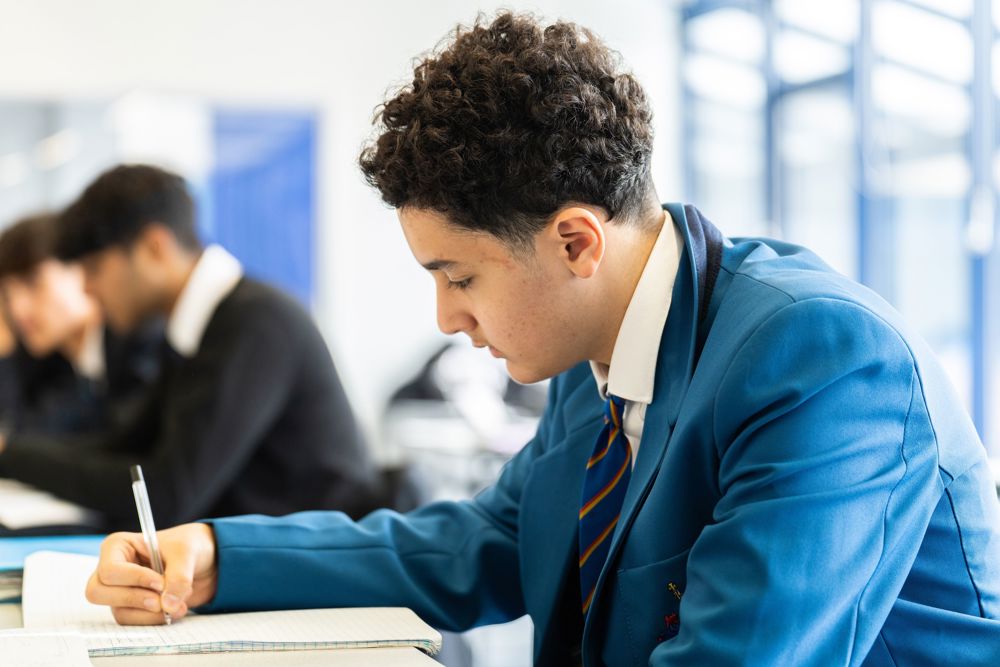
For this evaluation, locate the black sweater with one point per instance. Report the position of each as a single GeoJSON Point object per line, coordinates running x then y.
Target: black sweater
{"type": "Point", "coordinates": [255, 422]}
{"type": "Point", "coordinates": [47, 395]}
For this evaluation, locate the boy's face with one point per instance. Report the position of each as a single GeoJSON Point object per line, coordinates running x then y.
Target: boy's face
{"type": "Point", "coordinates": [522, 308]}
{"type": "Point", "coordinates": [116, 278]}
{"type": "Point", "coordinates": [45, 305]}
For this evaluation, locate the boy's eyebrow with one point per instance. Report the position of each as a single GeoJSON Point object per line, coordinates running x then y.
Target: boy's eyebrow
{"type": "Point", "coordinates": [439, 265]}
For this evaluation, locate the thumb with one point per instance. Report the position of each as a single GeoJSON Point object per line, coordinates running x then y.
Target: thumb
{"type": "Point", "coordinates": [178, 575]}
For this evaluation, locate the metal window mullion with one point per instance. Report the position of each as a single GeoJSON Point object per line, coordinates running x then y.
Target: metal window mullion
{"type": "Point", "coordinates": [982, 149]}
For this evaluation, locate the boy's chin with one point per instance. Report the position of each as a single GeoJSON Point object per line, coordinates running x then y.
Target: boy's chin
{"type": "Point", "coordinates": [524, 375]}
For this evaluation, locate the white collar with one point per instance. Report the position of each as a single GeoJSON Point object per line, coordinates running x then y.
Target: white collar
{"type": "Point", "coordinates": [633, 362]}
{"type": "Point", "coordinates": [214, 277]}
{"type": "Point", "coordinates": [90, 362]}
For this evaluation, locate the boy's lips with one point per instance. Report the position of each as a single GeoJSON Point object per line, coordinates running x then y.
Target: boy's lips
{"type": "Point", "coordinates": [495, 352]}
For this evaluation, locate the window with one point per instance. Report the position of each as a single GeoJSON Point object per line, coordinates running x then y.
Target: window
{"type": "Point", "coordinates": [863, 129]}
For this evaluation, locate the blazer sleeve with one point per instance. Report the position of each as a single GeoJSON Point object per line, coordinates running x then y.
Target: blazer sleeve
{"type": "Point", "coordinates": [828, 479]}
{"type": "Point", "coordinates": [455, 563]}
{"type": "Point", "coordinates": [209, 423]}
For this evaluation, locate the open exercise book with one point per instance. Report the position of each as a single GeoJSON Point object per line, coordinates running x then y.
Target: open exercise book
{"type": "Point", "coordinates": [53, 601]}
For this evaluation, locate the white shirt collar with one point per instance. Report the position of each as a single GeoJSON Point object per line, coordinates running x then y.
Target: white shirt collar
{"type": "Point", "coordinates": [90, 362]}
{"type": "Point", "coordinates": [214, 277]}
{"type": "Point", "coordinates": [633, 361]}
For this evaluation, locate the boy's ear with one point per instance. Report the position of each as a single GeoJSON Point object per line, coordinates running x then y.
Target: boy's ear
{"type": "Point", "coordinates": [577, 235]}
{"type": "Point", "coordinates": [155, 240]}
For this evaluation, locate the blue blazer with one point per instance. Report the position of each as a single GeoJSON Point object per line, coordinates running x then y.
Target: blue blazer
{"type": "Point", "coordinates": [809, 491]}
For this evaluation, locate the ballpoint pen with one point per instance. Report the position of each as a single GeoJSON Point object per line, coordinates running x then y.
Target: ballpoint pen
{"type": "Point", "coordinates": [146, 523]}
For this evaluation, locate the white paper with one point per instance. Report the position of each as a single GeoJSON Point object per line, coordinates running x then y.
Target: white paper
{"type": "Point", "coordinates": [23, 506]}
{"type": "Point", "coordinates": [43, 650]}
{"type": "Point", "coordinates": [53, 597]}
{"type": "Point", "coordinates": [348, 657]}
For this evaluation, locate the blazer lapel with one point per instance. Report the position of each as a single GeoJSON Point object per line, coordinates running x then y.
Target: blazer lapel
{"type": "Point", "coordinates": [550, 531]}
{"type": "Point", "coordinates": [679, 347]}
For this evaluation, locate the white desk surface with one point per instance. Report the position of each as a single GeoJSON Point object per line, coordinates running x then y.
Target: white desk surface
{"type": "Point", "coordinates": [10, 617]}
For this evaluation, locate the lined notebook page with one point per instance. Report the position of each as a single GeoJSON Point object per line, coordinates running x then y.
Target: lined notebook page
{"type": "Point", "coordinates": [42, 650]}
{"type": "Point", "coordinates": [53, 597]}
{"type": "Point", "coordinates": [346, 657]}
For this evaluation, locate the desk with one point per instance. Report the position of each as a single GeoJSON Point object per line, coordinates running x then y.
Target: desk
{"type": "Point", "coordinates": [23, 507]}
{"type": "Point", "coordinates": [10, 617]}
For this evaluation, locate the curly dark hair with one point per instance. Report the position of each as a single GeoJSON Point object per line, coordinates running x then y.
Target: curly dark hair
{"type": "Point", "coordinates": [510, 121]}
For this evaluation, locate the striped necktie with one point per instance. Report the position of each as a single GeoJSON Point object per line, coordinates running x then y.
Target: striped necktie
{"type": "Point", "coordinates": [607, 477]}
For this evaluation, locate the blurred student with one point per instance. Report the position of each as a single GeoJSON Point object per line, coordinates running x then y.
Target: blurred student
{"type": "Point", "coordinates": [248, 415]}
{"type": "Point", "coordinates": [64, 372]}
{"type": "Point", "coordinates": [781, 476]}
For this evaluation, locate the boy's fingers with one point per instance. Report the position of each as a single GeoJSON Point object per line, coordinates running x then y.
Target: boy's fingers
{"type": "Point", "coordinates": [179, 565]}
{"type": "Point", "coordinates": [122, 596]}
{"type": "Point", "coordinates": [129, 616]}
{"type": "Point", "coordinates": [119, 563]}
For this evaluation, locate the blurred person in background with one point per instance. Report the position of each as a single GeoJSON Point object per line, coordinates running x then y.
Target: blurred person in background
{"type": "Point", "coordinates": [248, 415]}
{"type": "Point", "coordinates": [64, 371]}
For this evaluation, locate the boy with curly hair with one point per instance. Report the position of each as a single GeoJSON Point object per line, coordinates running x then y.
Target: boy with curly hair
{"type": "Point", "coordinates": [770, 470]}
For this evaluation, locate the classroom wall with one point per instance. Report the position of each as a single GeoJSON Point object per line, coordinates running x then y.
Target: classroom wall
{"type": "Point", "coordinates": [374, 303]}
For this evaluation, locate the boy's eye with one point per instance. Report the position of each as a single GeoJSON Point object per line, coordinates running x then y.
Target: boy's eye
{"type": "Point", "coordinates": [459, 284]}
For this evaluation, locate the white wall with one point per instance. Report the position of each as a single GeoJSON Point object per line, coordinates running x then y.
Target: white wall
{"type": "Point", "coordinates": [374, 303]}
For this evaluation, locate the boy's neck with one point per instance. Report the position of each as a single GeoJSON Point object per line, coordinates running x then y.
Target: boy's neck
{"type": "Point", "coordinates": [629, 265]}
{"type": "Point", "coordinates": [180, 276]}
